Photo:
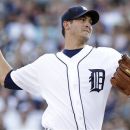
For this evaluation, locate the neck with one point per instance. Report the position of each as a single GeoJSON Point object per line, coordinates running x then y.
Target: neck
{"type": "Point", "coordinates": [73, 43]}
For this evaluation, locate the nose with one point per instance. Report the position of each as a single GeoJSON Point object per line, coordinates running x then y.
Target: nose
{"type": "Point", "coordinates": [89, 27]}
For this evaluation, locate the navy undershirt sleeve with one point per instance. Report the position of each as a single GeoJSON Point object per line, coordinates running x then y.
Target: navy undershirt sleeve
{"type": "Point", "coordinates": [8, 83]}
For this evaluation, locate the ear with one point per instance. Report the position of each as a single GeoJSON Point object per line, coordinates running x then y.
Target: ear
{"type": "Point", "coordinates": [66, 25]}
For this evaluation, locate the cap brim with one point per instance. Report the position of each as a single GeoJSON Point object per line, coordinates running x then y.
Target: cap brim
{"type": "Point", "coordinates": [92, 13]}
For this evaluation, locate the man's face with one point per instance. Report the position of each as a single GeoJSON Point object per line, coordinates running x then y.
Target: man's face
{"type": "Point", "coordinates": [80, 28]}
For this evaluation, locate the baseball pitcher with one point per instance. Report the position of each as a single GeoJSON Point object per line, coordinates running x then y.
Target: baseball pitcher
{"type": "Point", "coordinates": [75, 81]}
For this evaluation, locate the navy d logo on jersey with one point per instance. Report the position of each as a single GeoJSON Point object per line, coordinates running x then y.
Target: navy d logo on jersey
{"type": "Point", "coordinates": [97, 79]}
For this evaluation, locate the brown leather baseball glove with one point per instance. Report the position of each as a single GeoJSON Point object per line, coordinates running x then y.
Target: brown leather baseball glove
{"type": "Point", "coordinates": [121, 78]}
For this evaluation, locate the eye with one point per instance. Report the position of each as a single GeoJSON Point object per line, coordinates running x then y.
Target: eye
{"type": "Point", "coordinates": [83, 19]}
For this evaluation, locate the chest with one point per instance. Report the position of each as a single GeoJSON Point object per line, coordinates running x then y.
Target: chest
{"type": "Point", "coordinates": [87, 75]}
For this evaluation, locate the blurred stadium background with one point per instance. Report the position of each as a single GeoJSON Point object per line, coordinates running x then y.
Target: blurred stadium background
{"type": "Point", "coordinates": [30, 28]}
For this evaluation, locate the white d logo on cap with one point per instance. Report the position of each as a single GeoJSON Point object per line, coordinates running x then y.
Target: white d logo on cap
{"type": "Point", "coordinates": [84, 8]}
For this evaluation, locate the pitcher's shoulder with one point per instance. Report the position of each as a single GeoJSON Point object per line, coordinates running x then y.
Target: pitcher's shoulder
{"type": "Point", "coordinates": [47, 56]}
{"type": "Point", "coordinates": [107, 50]}
{"type": "Point", "coordinates": [107, 53]}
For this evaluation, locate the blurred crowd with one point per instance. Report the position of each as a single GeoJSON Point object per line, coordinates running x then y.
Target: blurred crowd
{"type": "Point", "coordinates": [31, 28]}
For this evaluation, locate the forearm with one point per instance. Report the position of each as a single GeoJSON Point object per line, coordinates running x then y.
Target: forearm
{"type": "Point", "coordinates": [4, 68]}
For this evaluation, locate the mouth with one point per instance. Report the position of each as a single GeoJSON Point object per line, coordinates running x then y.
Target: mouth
{"type": "Point", "coordinates": [86, 30]}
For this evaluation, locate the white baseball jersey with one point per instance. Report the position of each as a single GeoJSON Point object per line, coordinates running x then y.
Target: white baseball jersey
{"type": "Point", "coordinates": [76, 89]}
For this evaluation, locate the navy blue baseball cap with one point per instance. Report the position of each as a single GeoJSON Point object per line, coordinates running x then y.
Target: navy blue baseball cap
{"type": "Point", "coordinates": [77, 12]}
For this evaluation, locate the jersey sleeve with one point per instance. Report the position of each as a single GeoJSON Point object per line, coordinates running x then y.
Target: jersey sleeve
{"type": "Point", "coordinates": [114, 57]}
{"type": "Point", "coordinates": [27, 77]}
{"type": "Point", "coordinates": [111, 58]}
